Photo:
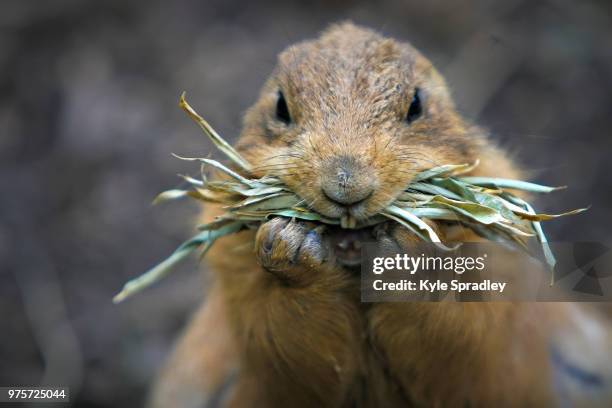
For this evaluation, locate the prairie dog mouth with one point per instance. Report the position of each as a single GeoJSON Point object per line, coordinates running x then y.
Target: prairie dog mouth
{"type": "Point", "coordinates": [346, 244]}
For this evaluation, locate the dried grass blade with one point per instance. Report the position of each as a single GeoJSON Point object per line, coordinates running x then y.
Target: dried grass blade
{"type": "Point", "coordinates": [218, 141]}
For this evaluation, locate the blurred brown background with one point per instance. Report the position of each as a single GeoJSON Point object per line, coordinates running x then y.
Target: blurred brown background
{"type": "Point", "coordinates": [88, 119]}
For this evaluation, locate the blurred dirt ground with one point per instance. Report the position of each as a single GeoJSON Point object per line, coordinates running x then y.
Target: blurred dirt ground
{"type": "Point", "coordinates": [88, 119]}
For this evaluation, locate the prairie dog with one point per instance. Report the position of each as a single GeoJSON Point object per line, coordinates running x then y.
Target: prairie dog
{"type": "Point", "coordinates": [346, 120]}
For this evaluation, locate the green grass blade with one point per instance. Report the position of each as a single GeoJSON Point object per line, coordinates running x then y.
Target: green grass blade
{"type": "Point", "coordinates": [219, 166]}
{"type": "Point", "coordinates": [165, 267]}
{"type": "Point", "coordinates": [446, 170]}
{"type": "Point", "coordinates": [501, 183]}
{"type": "Point", "coordinates": [413, 219]}
{"type": "Point", "coordinates": [169, 195]}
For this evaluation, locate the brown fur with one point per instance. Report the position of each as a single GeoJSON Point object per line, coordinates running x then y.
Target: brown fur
{"type": "Point", "coordinates": [290, 316]}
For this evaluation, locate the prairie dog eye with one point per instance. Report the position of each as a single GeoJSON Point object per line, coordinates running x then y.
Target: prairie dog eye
{"type": "Point", "coordinates": [282, 110]}
{"type": "Point", "coordinates": [416, 108]}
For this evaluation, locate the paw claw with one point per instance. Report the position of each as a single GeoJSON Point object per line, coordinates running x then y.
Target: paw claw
{"type": "Point", "coordinates": [290, 249]}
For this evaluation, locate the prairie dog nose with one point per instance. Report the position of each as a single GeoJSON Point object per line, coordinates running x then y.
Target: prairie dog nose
{"type": "Point", "coordinates": [346, 182]}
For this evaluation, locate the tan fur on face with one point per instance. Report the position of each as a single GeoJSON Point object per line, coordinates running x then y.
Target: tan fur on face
{"type": "Point", "coordinates": [348, 94]}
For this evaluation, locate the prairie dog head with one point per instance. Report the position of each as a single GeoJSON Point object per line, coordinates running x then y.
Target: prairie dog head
{"type": "Point", "coordinates": [348, 119]}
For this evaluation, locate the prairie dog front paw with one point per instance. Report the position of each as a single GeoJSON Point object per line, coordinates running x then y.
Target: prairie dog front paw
{"type": "Point", "coordinates": [293, 251]}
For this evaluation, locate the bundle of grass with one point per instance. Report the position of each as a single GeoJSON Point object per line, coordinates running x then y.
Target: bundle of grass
{"type": "Point", "coordinates": [483, 204]}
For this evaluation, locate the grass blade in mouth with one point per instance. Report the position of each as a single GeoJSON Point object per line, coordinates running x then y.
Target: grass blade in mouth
{"type": "Point", "coordinates": [483, 204]}
{"type": "Point", "coordinates": [500, 183]}
{"type": "Point", "coordinates": [203, 239]}
{"type": "Point", "coordinates": [221, 144]}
